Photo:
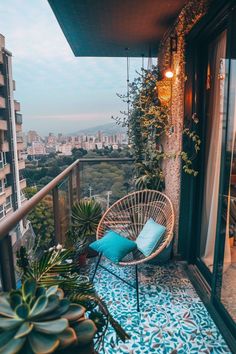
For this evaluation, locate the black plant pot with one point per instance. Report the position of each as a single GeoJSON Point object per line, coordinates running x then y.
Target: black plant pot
{"type": "Point", "coordinates": [91, 253]}
{"type": "Point", "coordinates": [79, 349]}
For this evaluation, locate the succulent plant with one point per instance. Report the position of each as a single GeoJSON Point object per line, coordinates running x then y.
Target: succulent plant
{"type": "Point", "coordinates": [37, 320]}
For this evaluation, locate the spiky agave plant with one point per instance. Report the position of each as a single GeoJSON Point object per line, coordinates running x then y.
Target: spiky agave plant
{"type": "Point", "coordinates": [86, 215]}
{"type": "Point", "coordinates": [36, 320]}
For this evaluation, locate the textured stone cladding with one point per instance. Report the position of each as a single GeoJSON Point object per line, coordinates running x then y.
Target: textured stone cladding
{"type": "Point", "coordinates": [187, 19]}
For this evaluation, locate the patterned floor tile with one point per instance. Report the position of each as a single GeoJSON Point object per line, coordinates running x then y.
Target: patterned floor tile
{"type": "Point", "coordinates": [172, 318]}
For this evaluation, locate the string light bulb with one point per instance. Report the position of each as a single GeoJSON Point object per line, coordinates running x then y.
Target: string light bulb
{"type": "Point", "coordinates": [169, 74]}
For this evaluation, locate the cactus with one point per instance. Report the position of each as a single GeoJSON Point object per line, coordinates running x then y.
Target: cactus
{"type": "Point", "coordinates": [37, 320]}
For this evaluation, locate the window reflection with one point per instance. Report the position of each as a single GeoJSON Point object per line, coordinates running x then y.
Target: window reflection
{"type": "Point", "coordinates": [228, 292]}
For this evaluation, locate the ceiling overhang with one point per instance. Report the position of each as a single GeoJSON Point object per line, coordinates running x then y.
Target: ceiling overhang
{"type": "Point", "coordinates": [105, 28]}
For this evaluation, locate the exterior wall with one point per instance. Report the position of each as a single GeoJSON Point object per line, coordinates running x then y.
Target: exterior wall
{"type": "Point", "coordinates": [188, 17]}
{"type": "Point", "coordinates": [10, 137]}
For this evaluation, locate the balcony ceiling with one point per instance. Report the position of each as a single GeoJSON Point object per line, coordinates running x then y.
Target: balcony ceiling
{"type": "Point", "coordinates": [104, 28]}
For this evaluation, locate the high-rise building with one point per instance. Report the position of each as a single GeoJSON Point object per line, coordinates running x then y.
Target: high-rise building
{"type": "Point", "coordinates": [11, 139]}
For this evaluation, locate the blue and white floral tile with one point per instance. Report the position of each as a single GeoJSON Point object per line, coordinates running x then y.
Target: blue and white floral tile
{"type": "Point", "coordinates": [172, 318]}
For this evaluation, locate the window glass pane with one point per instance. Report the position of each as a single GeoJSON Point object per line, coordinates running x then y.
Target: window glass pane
{"type": "Point", "coordinates": [215, 86]}
{"type": "Point", "coordinates": [228, 290]}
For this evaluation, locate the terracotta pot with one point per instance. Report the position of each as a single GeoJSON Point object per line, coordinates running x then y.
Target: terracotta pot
{"type": "Point", "coordinates": [82, 259]}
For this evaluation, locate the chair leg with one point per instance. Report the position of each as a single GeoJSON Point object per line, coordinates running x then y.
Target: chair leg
{"type": "Point", "coordinates": [96, 267]}
{"type": "Point", "coordinates": [137, 287]}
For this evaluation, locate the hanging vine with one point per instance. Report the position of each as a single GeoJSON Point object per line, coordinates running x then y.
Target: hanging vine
{"type": "Point", "coordinates": [148, 123]}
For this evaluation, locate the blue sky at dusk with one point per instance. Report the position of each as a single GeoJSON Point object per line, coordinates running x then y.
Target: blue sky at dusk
{"type": "Point", "coordinates": [58, 92]}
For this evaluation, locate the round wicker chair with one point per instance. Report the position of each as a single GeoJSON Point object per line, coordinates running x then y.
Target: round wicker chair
{"type": "Point", "coordinates": [128, 215]}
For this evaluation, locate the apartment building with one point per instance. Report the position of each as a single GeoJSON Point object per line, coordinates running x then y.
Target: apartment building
{"type": "Point", "coordinates": [12, 164]}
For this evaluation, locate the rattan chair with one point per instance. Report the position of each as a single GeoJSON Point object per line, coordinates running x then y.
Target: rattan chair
{"type": "Point", "coordinates": [128, 215]}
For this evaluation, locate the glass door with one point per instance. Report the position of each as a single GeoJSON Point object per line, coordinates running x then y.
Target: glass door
{"type": "Point", "coordinates": [214, 107]}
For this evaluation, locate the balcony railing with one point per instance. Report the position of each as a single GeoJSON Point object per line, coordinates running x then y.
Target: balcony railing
{"type": "Point", "coordinates": [2, 102]}
{"type": "Point", "coordinates": [16, 105]}
{"type": "Point", "coordinates": [78, 180]}
{"type": "Point", "coordinates": [1, 80]}
{"type": "Point", "coordinates": [3, 124]}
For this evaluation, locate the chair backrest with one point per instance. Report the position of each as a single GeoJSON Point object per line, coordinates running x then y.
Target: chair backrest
{"type": "Point", "coordinates": [128, 215]}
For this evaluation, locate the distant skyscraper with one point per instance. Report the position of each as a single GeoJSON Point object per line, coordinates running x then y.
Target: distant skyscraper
{"type": "Point", "coordinates": [11, 138]}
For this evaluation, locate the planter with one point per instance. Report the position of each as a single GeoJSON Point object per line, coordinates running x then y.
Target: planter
{"type": "Point", "coordinates": [87, 349]}
{"type": "Point", "coordinates": [92, 253]}
{"type": "Point", "coordinates": [82, 259]}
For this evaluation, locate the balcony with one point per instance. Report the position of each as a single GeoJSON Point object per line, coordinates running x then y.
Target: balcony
{"type": "Point", "coordinates": [18, 117]}
{"type": "Point", "coordinates": [21, 164]}
{"type": "Point", "coordinates": [4, 146]}
{"type": "Point", "coordinates": [171, 314]}
{"type": "Point", "coordinates": [6, 193]}
{"type": "Point", "coordinates": [16, 105]}
{"type": "Point", "coordinates": [2, 102]}
{"type": "Point", "coordinates": [23, 183]}
{"type": "Point", "coordinates": [2, 82]}
{"type": "Point", "coordinates": [1, 57]}
{"type": "Point", "coordinates": [3, 124]}
{"type": "Point", "coordinates": [5, 170]}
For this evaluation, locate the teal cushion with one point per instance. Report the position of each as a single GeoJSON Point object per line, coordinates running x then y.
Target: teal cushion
{"type": "Point", "coordinates": [149, 237]}
{"type": "Point", "coordinates": [113, 246]}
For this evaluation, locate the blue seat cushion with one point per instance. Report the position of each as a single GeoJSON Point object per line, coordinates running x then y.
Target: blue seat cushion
{"type": "Point", "coordinates": [149, 237]}
{"type": "Point", "coordinates": [113, 246]}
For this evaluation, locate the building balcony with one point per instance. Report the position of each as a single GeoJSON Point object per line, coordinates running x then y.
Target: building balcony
{"type": "Point", "coordinates": [4, 146]}
{"type": "Point", "coordinates": [4, 171]}
{"type": "Point", "coordinates": [1, 57]}
{"type": "Point", "coordinates": [21, 164]}
{"type": "Point", "coordinates": [173, 315]}
{"type": "Point", "coordinates": [2, 82]}
{"type": "Point", "coordinates": [23, 183]}
{"type": "Point", "coordinates": [18, 117]}
{"type": "Point", "coordinates": [3, 124]}
{"type": "Point", "coordinates": [8, 191]}
{"type": "Point", "coordinates": [2, 102]}
{"type": "Point", "coordinates": [16, 105]}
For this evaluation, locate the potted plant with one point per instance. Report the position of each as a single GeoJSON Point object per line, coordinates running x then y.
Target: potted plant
{"type": "Point", "coordinates": [86, 215]}
{"type": "Point", "coordinates": [35, 319]}
{"type": "Point", "coordinates": [55, 269]}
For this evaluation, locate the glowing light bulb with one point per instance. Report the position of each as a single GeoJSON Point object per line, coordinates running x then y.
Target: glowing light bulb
{"type": "Point", "coordinates": [169, 74]}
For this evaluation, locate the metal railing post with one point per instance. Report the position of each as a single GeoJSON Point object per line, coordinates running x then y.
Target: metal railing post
{"type": "Point", "coordinates": [7, 264]}
{"type": "Point", "coordinates": [71, 190]}
{"type": "Point", "coordinates": [78, 180]}
{"type": "Point", "coordinates": [56, 215]}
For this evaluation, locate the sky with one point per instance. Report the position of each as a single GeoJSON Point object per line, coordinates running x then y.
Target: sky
{"type": "Point", "coordinates": [58, 92]}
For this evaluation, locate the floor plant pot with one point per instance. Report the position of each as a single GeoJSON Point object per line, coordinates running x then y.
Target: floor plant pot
{"type": "Point", "coordinates": [87, 349]}
{"type": "Point", "coordinates": [82, 259]}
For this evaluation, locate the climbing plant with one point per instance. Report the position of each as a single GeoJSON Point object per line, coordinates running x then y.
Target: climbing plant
{"type": "Point", "coordinates": [148, 123]}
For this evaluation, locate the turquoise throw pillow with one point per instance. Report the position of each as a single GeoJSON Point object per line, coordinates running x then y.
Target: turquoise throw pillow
{"type": "Point", "coordinates": [113, 246]}
{"type": "Point", "coordinates": [149, 237]}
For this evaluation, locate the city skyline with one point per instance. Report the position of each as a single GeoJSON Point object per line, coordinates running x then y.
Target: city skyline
{"type": "Point", "coordinates": [57, 91]}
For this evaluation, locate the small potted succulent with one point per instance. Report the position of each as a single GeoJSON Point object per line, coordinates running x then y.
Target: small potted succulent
{"type": "Point", "coordinates": [35, 319]}
{"type": "Point", "coordinates": [86, 215]}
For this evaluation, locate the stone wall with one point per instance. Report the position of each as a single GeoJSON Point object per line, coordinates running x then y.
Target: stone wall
{"type": "Point", "coordinates": [188, 17]}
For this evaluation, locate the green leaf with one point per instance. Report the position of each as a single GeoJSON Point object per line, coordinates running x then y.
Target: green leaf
{"type": "Point", "coordinates": [24, 329]}
{"type": "Point", "coordinates": [42, 343]}
{"type": "Point", "coordinates": [52, 305]}
{"type": "Point", "coordinates": [85, 331]}
{"type": "Point", "coordinates": [9, 323]}
{"type": "Point", "coordinates": [13, 346]}
{"type": "Point", "coordinates": [51, 327]}
{"type": "Point", "coordinates": [22, 311]}
{"type": "Point", "coordinates": [74, 312]}
{"type": "Point", "coordinates": [29, 288]}
{"type": "Point", "coordinates": [67, 338]}
{"type": "Point", "coordinates": [52, 290]}
{"type": "Point", "coordinates": [40, 304]}
{"type": "Point", "coordinates": [5, 308]}
{"type": "Point", "coordinates": [6, 336]}
{"type": "Point", "coordinates": [15, 300]}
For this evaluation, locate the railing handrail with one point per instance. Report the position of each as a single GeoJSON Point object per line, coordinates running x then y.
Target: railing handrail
{"type": "Point", "coordinates": [10, 221]}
